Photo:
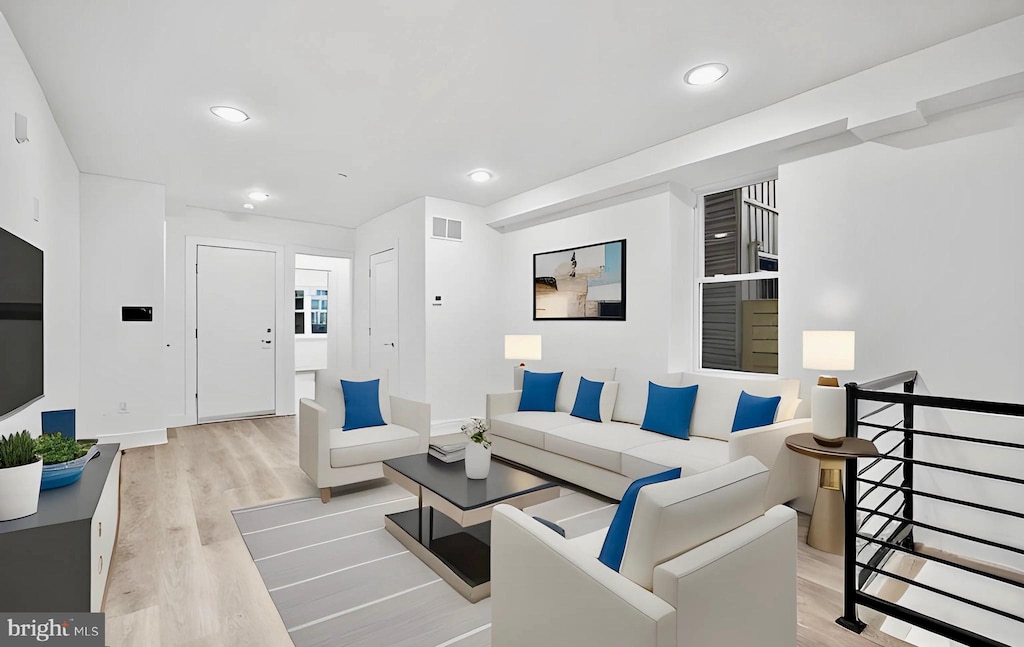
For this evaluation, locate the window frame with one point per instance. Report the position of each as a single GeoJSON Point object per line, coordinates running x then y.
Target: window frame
{"type": "Point", "coordinates": [700, 280]}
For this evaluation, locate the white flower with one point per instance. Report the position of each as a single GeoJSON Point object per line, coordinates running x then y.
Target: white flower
{"type": "Point", "coordinates": [476, 429]}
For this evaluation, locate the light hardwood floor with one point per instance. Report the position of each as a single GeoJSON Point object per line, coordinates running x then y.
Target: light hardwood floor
{"type": "Point", "coordinates": [181, 574]}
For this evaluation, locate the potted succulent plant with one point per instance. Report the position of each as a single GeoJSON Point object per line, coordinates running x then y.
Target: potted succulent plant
{"type": "Point", "coordinates": [478, 450]}
{"type": "Point", "coordinates": [64, 459]}
{"type": "Point", "coordinates": [21, 469]}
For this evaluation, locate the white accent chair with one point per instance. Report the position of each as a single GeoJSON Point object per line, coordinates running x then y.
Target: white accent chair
{"type": "Point", "coordinates": [332, 457]}
{"type": "Point", "coordinates": [705, 565]}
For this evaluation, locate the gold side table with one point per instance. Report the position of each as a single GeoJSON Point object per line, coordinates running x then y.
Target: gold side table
{"type": "Point", "coordinates": [828, 520]}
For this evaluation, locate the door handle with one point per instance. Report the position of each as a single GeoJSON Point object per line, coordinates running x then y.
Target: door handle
{"type": "Point", "coordinates": [392, 344]}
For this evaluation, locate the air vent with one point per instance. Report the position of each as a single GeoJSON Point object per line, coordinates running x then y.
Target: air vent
{"type": "Point", "coordinates": [447, 229]}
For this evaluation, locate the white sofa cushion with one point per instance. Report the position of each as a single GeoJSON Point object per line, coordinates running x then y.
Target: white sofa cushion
{"type": "Point", "coordinates": [717, 396]}
{"type": "Point", "coordinates": [631, 403]}
{"type": "Point", "coordinates": [570, 383]}
{"type": "Point", "coordinates": [673, 517]}
{"type": "Point", "coordinates": [528, 427]}
{"type": "Point", "coordinates": [591, 542]}
{"type": "Point", "coordinates": [371, 444]}
{"type": "Point", "coordinates": [694, 455]}
{"type": "Point", "coordinates": [329, 395]}
{"type": "Point", "coordinates": [599, 444]}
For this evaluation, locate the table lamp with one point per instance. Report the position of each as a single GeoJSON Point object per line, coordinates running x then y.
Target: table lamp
{"type": "Point", "coordinates": [522, 347]}
{"type": "Point", "coordinates": [829, 350]}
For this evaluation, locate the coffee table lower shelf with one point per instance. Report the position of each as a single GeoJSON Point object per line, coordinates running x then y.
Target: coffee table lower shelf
{"type": "Point", "coordinates": [461, 556]}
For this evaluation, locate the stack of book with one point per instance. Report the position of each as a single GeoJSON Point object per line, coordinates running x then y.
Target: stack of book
{"type": "Point", "coordinates": [448, 453]}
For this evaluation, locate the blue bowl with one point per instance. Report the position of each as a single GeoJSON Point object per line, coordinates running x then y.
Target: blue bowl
{"type": "Point", "coordinates": [61, 474]}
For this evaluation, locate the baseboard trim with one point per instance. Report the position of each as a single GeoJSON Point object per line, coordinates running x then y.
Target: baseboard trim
{"type": "Point", "coordinates": [132, 439]}
{"type": "Point", "coordinates": [445, 427]}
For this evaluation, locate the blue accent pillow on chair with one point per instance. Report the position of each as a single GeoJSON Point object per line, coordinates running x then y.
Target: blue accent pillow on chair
{"type": "Point", "coordinates": [669, 409]}
{"type": "Point", "coordinates": [362, 404]}
{"type": "Point", "coordinates": [615, 541]}
{"type": "Point", "coordinates": [539, 391]}
{"type": "Point", "coordinates": [588, 400]}
{"type": "Point", "coordinates": [754, 411]}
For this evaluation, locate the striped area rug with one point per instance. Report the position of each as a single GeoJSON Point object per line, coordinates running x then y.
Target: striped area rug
{"type": "Point", "coordinates": [338, 578]}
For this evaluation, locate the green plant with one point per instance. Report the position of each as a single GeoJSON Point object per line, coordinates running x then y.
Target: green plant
{"type": "Point", "coordinates": [57, 448]}
{"type": "Point", "coordinates": [477, 429]}
{"type": "Point", "coordinates": [17, 449]}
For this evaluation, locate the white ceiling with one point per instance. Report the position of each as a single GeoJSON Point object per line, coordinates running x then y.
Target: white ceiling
{"type": "Point", "coordinates": [406, 97]}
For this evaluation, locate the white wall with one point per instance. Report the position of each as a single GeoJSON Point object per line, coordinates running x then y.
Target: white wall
{"type": "Point", "coordinates": [465, 333]}
{"type": "Point", "coordinates": [918, 251]}
{"type": "Point", "coordinates": [289, 235]}
{"type": "Point", "coordinates": [659, 272]}
{"type": "Point", "coordinates": [122, 264]}
{"type": "Point", "coordinates": [401, 228]}
{"type": "Point", "coordinates": [41, 168]}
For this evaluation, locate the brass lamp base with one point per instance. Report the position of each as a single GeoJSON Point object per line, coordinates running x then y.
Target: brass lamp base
{"type": "Point", "coordinates": [828, 380]}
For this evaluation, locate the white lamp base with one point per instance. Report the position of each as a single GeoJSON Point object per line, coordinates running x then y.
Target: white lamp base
{"type": "Point", "coordinates": [517, 377]}
{"type": "Point", "coordinates": [828, 411]}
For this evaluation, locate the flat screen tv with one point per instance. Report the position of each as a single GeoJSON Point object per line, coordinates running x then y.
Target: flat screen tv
{"type": "Point", "coordinates": [21, 323]}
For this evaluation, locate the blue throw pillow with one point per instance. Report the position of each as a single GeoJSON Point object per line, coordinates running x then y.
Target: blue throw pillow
{"type": "Point", "coordinates": [588, 400]}
{"type": "Point", "coordinates": [754, 411]}
{"type": "Point", "coordinates": [669, 409]}
{"type": "Point", "coordinates": [362, 404]}
{"type": "Point", "coordinates": [615, 541]}
{"type": "Point", "coordinates": [539, 391]}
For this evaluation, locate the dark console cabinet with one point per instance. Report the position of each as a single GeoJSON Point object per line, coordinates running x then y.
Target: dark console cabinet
{"type": "Point", "coordinates": [58, 558]}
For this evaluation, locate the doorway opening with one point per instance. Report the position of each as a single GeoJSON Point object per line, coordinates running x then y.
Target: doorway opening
{"type": "Point", "coordinates": [322, 318]}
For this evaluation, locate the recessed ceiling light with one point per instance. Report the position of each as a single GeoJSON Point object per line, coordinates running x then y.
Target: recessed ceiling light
{"type": "Point", "coordinates": [258, 196]}
{"type": "Point", "coordinates": [248, 206]}
{"type": "Point", "coordinates": [480, 175]}
{"type": "Point", "coordinates": [706, 74]}
{"type": "Point", "coordinates": [227, 113]}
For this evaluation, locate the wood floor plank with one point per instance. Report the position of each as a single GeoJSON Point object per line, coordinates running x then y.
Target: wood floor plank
{"type": "Point", "coordinates": [182, 575]}
{"type": "Point", "coordinates": [179, 556]}
{"type": "Point", "coordinates": [136, 629]}
{"type": "Point", "coordinates": [132, 585]}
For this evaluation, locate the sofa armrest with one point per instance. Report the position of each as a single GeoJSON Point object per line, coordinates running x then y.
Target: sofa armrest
{"type": "Point", "coordinates": [752, 568]}
{"type": "Point", "coordinates": [534, 571]}
{"type": "Point", "coordinates": [499, 403]}
{"type": "Point", "coordinates": [768, 445]}
{"type": "Point", "coordinates": [413, 415]}
{"type": "Point", "coordinates": [314, 440]}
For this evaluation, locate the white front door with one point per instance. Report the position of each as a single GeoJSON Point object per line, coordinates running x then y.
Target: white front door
{"type": "Point", "coordinates": [384, 314]}
{"type": "Point", "coordinates": [236, 338]}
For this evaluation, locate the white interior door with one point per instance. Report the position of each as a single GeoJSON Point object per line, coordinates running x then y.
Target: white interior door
{"type": "Point", "coordinates": [384, 314]}
{"type": "Point", "coordinates": [236, 327]}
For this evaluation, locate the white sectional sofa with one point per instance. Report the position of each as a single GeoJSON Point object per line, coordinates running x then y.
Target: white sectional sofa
{"type": "Point", "coordinates": [607, 456]}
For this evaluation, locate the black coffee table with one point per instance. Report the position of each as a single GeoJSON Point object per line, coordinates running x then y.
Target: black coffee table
{"type": "Point", "coordinates": [450, 530]}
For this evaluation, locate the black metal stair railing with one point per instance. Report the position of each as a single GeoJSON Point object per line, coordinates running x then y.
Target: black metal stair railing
{"type": "Point", "coordinates": [874, 534]}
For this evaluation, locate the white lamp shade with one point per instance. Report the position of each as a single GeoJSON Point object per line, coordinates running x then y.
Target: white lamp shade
{"type": "Point", "coordinates": [522, 347]}
{"type": "Point", "coordinates": [829, 350]}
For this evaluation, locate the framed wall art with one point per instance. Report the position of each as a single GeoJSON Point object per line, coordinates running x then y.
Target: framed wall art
{"type": "Point", "coordinates": [581, 283]}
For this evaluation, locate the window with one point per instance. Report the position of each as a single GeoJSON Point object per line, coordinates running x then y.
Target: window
{"type": "Point", "coordinates": [311, 313]}
{"type": "Point", "coordinates": [739, 287]}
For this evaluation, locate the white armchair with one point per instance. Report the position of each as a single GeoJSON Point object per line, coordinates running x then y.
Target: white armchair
{"type": "Point", "coordinates": [705, 565]}
{"type": "Point", "coordinates": [332, 457]}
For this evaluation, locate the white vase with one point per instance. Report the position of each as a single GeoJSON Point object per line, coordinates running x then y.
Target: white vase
{"type": "Point", "coordinates": [478, 460]}
{"type": "Point", "coordinates": [19, 490]}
